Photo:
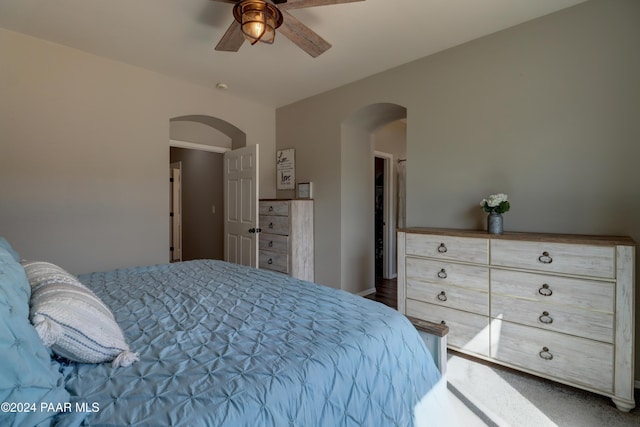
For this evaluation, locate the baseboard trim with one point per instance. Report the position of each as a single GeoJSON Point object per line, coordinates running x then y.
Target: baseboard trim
{"type": "Point", "coordinates": [637, 384]}
{"type": "Point", "coordinates": [367, 292]}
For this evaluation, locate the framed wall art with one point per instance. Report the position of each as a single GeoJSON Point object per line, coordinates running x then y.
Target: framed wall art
{"type": "Point", "coordinates": [305, 190]}
{"type": "Point", "coordinates": [286, 169]}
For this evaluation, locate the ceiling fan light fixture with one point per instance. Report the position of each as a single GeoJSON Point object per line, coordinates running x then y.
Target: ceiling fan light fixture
{"type": "Point", "coordinates": [258, 20]}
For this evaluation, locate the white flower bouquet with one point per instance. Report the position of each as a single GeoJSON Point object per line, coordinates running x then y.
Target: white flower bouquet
{"type": "Point", "coordinates": [496, 203]}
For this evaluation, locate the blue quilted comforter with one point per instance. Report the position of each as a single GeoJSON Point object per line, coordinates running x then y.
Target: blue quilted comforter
{"type": "Point", "coordinates": [226, 345]}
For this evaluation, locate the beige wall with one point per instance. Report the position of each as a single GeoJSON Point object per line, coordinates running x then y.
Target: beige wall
{"type": "Point", "coordinates": [68, 193]}
{"type": "Point", "coordinates": [547, 112]}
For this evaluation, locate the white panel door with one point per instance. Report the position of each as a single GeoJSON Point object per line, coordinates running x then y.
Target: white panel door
{"type": "Point", "coordinates": [241, 206]}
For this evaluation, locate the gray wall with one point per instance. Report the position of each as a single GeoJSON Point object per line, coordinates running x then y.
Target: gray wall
{"type": "Point", "coordinates": [392, 139]}
{"type": "Point", "coordinates": [547, 111]}
{"type": "Point", "coordinates": [357, 217]}
{"type": "Point", "coordinates": [202, 230]}
{"type": "Point", "coordinates": [198, 133]}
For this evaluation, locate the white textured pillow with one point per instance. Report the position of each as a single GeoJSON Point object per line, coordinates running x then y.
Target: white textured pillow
{"type": "Point", "coordinates": [72, 320]}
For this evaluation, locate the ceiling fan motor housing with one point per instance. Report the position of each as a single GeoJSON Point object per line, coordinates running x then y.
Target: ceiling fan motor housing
{"type": "Point", "coordinates": [258, 20]}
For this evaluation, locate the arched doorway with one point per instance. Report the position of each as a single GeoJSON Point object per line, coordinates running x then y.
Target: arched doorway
{"type": "Point", "coordinates": [197, 145]}
{"type": "Point", "coordinates": [359, 134]}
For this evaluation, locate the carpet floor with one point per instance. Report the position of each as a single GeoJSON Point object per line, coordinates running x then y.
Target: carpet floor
{"type": "Point", "coordinates": [484, 394]}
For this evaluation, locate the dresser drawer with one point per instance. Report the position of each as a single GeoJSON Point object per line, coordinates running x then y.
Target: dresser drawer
{"type": "Point", "coordinates": [570, 320]}
{"type": "Point", "coordinates": [273, 242]}
{"type": "Point", "coordinates": [442, 272]}
{"type": "Point", "coordinates": [466, 249]}
{"type": "Point", "coordinates": [274, 224]}
{"type": "Point", "coordinates": [467, 331]}
{"type": "Point", "coordinates": [449, 296]}
{"type": "Point", "coordinates": [585, 260]}
{"type": "Point", "coordinates": [581, 293]}
{"type": "Point", "coordinates": [573, 359]}
{"type": "Point", "coordinates": [274, 207]}
{"type": "Point", "coordinates": [273, 261]}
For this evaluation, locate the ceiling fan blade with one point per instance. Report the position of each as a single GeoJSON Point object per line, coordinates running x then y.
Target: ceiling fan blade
{"type": "Point", "coordinates": [232, 39]}
{"type": "Point", "coordinates": [299, 4]}
{"type": "Point", "coordinates": [303, 36]}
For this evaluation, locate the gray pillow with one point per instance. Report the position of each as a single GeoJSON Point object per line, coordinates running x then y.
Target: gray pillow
{"type": "Point", "coordinates": [72, 320]}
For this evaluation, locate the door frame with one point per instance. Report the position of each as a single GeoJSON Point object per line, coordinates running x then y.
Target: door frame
{"type": "Point", "coordinates": [175, 209]}
{"type": "Point", "coordinates": [389, 240]}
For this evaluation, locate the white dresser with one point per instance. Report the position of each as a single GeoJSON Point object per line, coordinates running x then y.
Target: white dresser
{"type": "Point", "coordinates": [286, 238]}
{"type": "Point", "coordinates": [557, 306]}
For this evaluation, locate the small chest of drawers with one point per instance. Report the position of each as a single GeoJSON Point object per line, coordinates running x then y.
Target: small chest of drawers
{"type": "Point", "coordinates": [286, 241]}
{"type": "Point", "coordinates": [557, 306]}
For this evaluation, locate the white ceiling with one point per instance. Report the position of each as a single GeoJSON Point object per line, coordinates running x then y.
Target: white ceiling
{"type": "Point", "coordinates": [177, 38]}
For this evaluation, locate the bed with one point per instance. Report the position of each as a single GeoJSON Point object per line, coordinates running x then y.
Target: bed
{"type": "Point", "coordinates": [226, 345]}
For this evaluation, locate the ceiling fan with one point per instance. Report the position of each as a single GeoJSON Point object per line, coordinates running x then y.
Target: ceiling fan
{"type": "Point", "coordinates": [257, 21]}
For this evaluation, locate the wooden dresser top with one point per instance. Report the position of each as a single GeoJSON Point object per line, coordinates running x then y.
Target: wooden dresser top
{"type": "Point", "coordinates": [536, 237]}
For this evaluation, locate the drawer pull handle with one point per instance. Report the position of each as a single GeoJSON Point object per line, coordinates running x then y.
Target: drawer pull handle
{"type": "Point", "coordinates": [545, 354]}
{"type": "Point", "coordinates": [545, 291]}
{"type": "Point", "coordinates": [545, 258]}
{"type": "Point", "coordinates": [270, 225]}
{"type": "Point", "coordinates": [271, 243]}
{"type": "Point", "coordinates": [270, 208]}
{"type": "Point", "coordinates": [270, 261]}
{"type": "Point", "coordinates": [442, 248]}
{"type": "Point", "coordinates": [545, 318]}
{"type": "Point", "coordinates": [442, 296]}
{"type": "Point", "coordinates": [442, 274]}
